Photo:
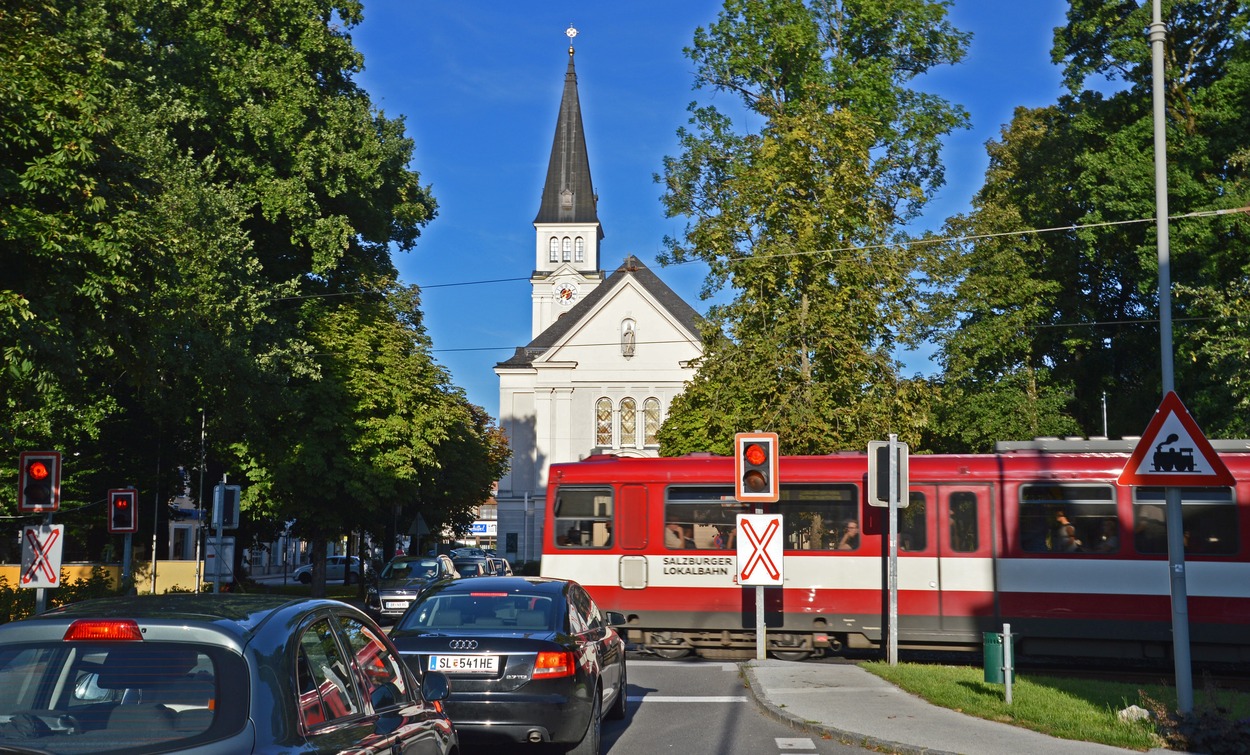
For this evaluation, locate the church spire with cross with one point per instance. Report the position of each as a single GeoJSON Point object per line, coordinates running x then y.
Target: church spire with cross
{"type": "Point", "coordinates": [567, 229]}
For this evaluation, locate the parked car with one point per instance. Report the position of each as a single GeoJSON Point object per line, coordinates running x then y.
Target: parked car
{"type": "Point", "coordinates": [204, 674]}
{"type": "Point", "coordinates": [501, 566]}
{"type": "Point", "coordinates": [529, 659]}
{"type": "Point", "coordinates": [334, 570]}
{"type": "Point", "coordinates": [401, 580]}
{"type": "Point", "coordinates": [468, 552]}
{"type": "Point", "coordinates": [472, 567]}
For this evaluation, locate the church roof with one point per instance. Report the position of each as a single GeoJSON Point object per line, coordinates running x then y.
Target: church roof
{"type": "Point", "coordinates": [632, 267]}
{"type": "Point", "coordinates": [568, 195]}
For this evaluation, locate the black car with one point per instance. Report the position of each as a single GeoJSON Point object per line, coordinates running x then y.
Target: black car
{"type": "Point", "coordinates": [402, 580]}
{"type": "Point", "coordinates": [530, 659]}
{"type": "Point", "coordinates": [206, 674]}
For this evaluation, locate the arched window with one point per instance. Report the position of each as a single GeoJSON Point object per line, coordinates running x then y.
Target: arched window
{"type": "Point", "coordinates": [554, 250]}
{"type": "Point", "coordinates": [629, 422]}
{"type": "Point", "coordinates": [651, 421]}
{"type": "Point", "coordinates": [603, 423]}
{"type": "Point", "coordinates": [579, 250]}
{"type": "Point", "coordinates": [568, 249]}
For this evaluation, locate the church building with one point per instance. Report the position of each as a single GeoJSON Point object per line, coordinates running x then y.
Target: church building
{"type": "Point", "coordinates": [608, 354]}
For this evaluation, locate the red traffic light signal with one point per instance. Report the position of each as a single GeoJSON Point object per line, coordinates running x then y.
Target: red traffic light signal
{"type": "Point", "coordinates": [39, 481]}
{"type": "Point", "coordinates": [123, 513]}
{"type": "Point", "coordinates": [755, 467]}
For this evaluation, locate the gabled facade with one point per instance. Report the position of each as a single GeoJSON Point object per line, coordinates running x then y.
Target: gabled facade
{"type": "Point", "coordinates": [608, 355]}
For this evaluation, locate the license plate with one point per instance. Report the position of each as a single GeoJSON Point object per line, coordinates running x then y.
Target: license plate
{"type": "Point", "coordinates": [465, 664]}
{"type": "Point", "coordinates": [393, 604]}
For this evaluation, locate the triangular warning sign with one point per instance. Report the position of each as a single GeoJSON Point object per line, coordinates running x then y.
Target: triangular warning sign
{"type": "Point", "coordinates": [1173, 451]}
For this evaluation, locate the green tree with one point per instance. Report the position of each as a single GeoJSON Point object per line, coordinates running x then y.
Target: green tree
{"type": "Point", "coordinates": [1073, 311]}
{"type": "Point", "coordinates": [795, 217]}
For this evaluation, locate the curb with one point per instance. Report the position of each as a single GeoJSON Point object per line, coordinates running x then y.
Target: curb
{"type": "Point", "coordinates": [823, 730]}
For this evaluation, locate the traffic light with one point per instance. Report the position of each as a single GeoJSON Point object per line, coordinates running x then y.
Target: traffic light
{"type": "Point", "coordinates": [123, 510]}
{"type": "Point", "coordinates": [39, 481]}
{"type": "Point", "coordinates": [755, 467]}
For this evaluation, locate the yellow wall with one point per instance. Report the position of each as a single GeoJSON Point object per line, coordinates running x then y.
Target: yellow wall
{"type": "Point", "coordinates": [170, 575]}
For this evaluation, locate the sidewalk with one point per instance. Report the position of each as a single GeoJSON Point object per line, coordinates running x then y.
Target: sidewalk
{"type": "Point", "coordinates": [849, 703]}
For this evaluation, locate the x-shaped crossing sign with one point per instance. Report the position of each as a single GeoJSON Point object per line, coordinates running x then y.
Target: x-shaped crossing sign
{"type": "Point", "coordinates": [41, 555]}
{"type": "Point", "coordinates": [759, 549]}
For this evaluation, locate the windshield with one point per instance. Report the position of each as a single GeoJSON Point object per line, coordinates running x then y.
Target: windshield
{"type": "Point", "coordinates": [528, 613]}
{"type": "Point", "coordinates": [411, 568]}
{"type": "Point", "coordinates": [76, 697]}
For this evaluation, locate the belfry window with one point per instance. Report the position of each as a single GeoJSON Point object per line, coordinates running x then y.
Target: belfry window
{"type": "Point", "coordinates": [568, 249]}
{"type": "Point", "coordinates": [554, 250]}
{"type": "Point", "coordinates": [579, 250]}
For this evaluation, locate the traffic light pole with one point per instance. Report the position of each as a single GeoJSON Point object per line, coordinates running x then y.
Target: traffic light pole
{"type": "Point", "coordinates": [761, 637]}
{"type": "Point", "coordinates": [219, 514]}
{"type": "Point", "coordinates": [892, 629]}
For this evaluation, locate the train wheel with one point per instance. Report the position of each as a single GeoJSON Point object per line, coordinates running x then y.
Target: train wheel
{"type": "Point", "coordinates": [791, 655]}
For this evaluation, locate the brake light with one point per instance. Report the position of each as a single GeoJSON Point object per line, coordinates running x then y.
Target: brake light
{"type": "Point", "coordinates": [103, 630]}
{"type": "Point", "coordinates": [488, 594]}
{"type": "Point", "coordinates": [553, 665]}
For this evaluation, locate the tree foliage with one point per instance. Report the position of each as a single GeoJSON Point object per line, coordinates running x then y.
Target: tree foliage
{"type": "Point", "coordinates": [1061, 326]}
{"type": "Point", "coordinates": [199, 207]}
{"type": "Point", "coordinates": [793, 198]}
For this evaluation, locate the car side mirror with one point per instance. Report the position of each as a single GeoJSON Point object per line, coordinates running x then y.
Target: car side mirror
{"type": "Point", "coordinates": [614, 618]}
{"type": "Point", "coordinates": [434, 686]}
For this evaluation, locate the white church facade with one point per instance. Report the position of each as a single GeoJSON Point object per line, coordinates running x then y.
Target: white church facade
{"type": "Point", "coordinates": [608, 354]}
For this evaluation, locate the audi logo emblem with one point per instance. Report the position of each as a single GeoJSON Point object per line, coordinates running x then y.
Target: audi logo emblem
{"type": "Point", "coordinates": [463, 644]}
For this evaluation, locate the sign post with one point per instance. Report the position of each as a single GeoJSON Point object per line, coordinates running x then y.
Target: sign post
{"type": "Point", "coordinates": [887, 484]}
{"type": "Point", "coordinates": [1179, 455]}
{"type": "Point", "coordinates": [759, 540]}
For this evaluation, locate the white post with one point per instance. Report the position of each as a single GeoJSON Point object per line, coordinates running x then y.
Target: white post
{"type": "Point", "coordinates": [1007, 660]}
{"type": "Point", "coordinates": [761, 638]}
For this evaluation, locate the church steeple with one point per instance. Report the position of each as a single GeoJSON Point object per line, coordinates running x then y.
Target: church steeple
{"type": "Point", "coordinates": [568, 194]}
{"type": "Point", "coordinates": [567, 230]}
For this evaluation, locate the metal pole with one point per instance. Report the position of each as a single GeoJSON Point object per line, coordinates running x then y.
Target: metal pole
{"type": "Point", "coordinates": [892, 648]}
{"type": "Point", "coordinates": [1008, 662]}
{"type": "Point", "coordinates": [219, 518]}
{"type": "Point", "coordinates": [761, 638]}
{"type": "Point", "coordinates": [1176, 537]}
{"type": "Point", "coordinates": [199, 505]}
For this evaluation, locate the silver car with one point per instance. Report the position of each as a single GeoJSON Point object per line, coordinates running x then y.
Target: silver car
{"type": "Point", "coordinates": [401, 581]}
{"type": "Point", "coordinates": [208, 674]}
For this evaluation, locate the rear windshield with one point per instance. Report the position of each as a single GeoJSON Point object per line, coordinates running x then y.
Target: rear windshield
{"type": "Point", "coordinates": [423, 568]}
{"type": "Point", "coordinates": [471, 611]}
{"type": "Point", "coordinates": [137, 697]}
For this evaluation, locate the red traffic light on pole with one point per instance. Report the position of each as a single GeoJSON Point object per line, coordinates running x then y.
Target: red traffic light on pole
{"type": "Point", "coordinates": [755, 467]}
{"type": "Point", "coordinates": [123, 513]}
{"type": "Point", "coordinates": [39, 481]}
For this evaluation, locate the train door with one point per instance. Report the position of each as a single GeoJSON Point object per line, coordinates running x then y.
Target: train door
{"type": "Point", "coordinates": [944, 562]}
{"type": "Point", "coordinates": [633, 523]}
{"type": "Point", "coordinates": [965, 559]}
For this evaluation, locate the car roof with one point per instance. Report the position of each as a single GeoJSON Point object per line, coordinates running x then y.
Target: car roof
{"type": "Point", "coordinates": [235, 615]}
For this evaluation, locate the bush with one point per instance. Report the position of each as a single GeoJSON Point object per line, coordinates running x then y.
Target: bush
{"type": "Point", "coordinates": [19, 602]}
{"type": "Point", "coordinates": [1210, 728]}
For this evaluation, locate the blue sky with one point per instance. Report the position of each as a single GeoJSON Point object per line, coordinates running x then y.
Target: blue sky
{"type": "Point", "coordinates": [478, 83]}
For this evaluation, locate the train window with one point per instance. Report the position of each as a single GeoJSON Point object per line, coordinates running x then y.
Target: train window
{"type": "Point", "coordinates": [583, 517]}
{"type": "Point", "coordinates": [820, 517]}
{"type": "Point", "coordinates": [704, 517]}
{"type": "Point", "coordinates": [1209, 516]}
{"type": "Point", "coordinates": [963, 522]}
{"type": "Point", "coordinates": [1066, 517]}
{"type": "Point", "coordinates": [913, 524]}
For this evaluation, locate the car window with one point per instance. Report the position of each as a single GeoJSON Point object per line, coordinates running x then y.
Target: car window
{"type": "Point", "coordinates": [580, 618]}
{"type": "Point", "coordinates": [100, 697]}
{"type": "Point", "coordinates": [490, 611]}
{"type": "Point", "coordinates": [325, 687]}
{"type": "Point", "coordinates": [379, 667]}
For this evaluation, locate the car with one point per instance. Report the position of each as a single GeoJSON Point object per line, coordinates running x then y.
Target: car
{"type": "Point", "coordinates": [401, 580]}
{"type": "Point", "coordinates": [473, 567]}
{"type": "Point", "coordinates": [501, 566]}
{"type": "Point", "coordinates": [468, 552]}
{"type": "Point", "coordinates": [334, 570]}
{"type": "Point", "coordinates": [203, 673]}
{"type": "Point", "coordinates": [529, 659]}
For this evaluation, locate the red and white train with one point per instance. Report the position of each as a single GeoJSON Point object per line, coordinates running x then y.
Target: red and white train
{"type": "Point", "coordinates": [1038, 535]}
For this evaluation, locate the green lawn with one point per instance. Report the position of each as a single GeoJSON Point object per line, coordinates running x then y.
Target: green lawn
{"type": "Point", "coordinates": [1067, 707]}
